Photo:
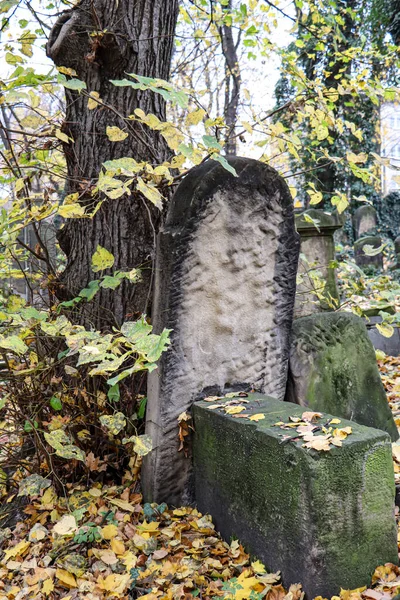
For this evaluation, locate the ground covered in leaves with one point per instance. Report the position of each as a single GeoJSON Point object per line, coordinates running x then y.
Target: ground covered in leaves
{"type": "Point", "coordinates": [99, 542]}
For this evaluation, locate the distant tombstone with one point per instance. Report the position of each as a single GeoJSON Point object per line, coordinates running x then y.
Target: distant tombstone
{"type": "Point", "coordinates": [397, 251]}
{"type": "Point", "coordinates": [316, 228]}
{"type": "Point", "coordinates": [364, 220]}
{"type": "Point", "coordinates": [225, 285]}
{"type": "Point", "coordinates": [363, 259]}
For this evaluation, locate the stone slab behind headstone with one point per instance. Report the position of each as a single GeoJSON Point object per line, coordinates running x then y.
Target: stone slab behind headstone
{"type": "Point", "coordinates": [397, 251]}
{"type": "Point", "coordinates": [333, 369]}
{"type": "Point", "coordinates": [362, 259]}
{"type": "Point", "coordinates": [318, 247]}
{"type": "Point", "coordinates": [389, 345]}
{"type": "Point", "coordinates": [225, 284]}
{"type": "Point", "coordinates": [324, 519]}
{"type": "Point", "coordinates": [365, 220]}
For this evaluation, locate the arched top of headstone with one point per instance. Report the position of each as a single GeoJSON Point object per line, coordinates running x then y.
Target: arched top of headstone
{"type": "Point", "coordinates": [201, 183]}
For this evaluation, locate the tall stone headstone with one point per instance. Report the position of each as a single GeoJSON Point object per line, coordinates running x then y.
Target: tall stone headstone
{"type": "Point", "coordinates": [362, 258]}
{"type": "Point", "coordinates": [316, 228]}
{"type": "Point", "coordinates": [225, 285]}
{"type": "Point", "coordinates": [365, 220]}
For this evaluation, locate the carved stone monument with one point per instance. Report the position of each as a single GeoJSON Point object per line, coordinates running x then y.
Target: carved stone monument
{"type": "Point", "coordinates": [225, 285]}
{"type": "Point", "coordinates": [316, 228]}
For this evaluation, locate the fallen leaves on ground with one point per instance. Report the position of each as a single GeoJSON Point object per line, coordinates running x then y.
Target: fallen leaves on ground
{"type": "Point", "coordinates": [389, 367]}
{"type": "Point", "coordinates": [103, 542]}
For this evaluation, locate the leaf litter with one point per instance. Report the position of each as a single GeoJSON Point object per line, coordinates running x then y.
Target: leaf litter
{"type": "Point", "coordinates": [104, 542]}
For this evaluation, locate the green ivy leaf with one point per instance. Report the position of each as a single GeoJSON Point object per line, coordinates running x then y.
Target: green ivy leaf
{"type": "Point", "coordinates": [72, 84]}
{"type": "Point", "coordinates": [55, 403]}
{"type": "Point", "coordinates": [222, 160]}
{"type": "Point", "coordinates": [89, 292]}
{"type": "Point", "coordinates": [113, 393]}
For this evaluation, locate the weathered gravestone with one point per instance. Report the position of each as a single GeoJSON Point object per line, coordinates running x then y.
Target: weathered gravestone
{"type": "Point", "coordinates": [363, 259]}
{"type": "Point", "coordinates": [333, 369]}
{"type": "Point", "coordinates": [323, 518]}
{"type": "Point", "coordinates": [318, 249]}
{"type": "Point", "coordinates": [225, 284]}
{"type": "Point", "coordinates": [365, 221]}
{"type": "Point", "coordinates": [397, 251]}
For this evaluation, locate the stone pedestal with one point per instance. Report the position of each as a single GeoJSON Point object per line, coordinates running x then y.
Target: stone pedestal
{"type": "Point", "coordinates": [323, 518]}
{"type": "Point", "coordinates": [225, 284]}
{"type": "Point", "coordinates": [316, 255]}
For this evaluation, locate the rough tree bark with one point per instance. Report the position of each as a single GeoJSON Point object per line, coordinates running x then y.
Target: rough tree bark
{"type": "Point", "coordinates": [232, 83]}
{"type": "Point", "coordinates": [103, 40]}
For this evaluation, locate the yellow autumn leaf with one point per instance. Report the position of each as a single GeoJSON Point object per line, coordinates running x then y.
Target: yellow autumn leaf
{"type": "Point", "coordinates": [102, 259]}
{"type": "Point", "coordinates": [310, 416]}
{"type": "Point", "coordinates": [66, 525]}
{"type": "Point", "coordinates": [117, 546]}
{"type": "Point", "coordinates": [66, 578]}
{"type": "Point", "coordinates": [62, 136]}
{"type": "Point", "coordinates": [246, 583]}
{"type": "Point", "coordinates": [115, 134]}
{"type": "Point", "coordinates": [47, 587]}
{"type": "Point", "coordinates": [318, 442]}
{"type": "Point", "coordinates": [116, 584]}
{"type": "Point", "coordinates": [107, 556]}
{"type": "Point", "coordinates": [150, 192]}
{"type": "Point", "coordinates": [129, 559]}
{"type": "Point", "coordinates": [322, 132]}
{"type": "Point", "coordinates": [123, 505]}
{"type": "Point", "coordinates": [71, 211]}
{"type": "Point", "coordinates": [17, 550]}
{"type": "Point", "coordinates": [93, 100]}
{"type": "Point", "coordinates": [258, 567]}
{"type": "Point", "coordinates": [385, 329]}
{"type": "Point", "coordinates": [109, 532]}
{"type": "Point", "coordinates": [153, 526]}
{"type": "Point", "coordinates": [195, 117]}
{"type": "Point", "coordinates": [396, 451]}
{"type": "Point", "coordinates": [257, 417]}
{"type": "Point", "coordinates": [334, 421]}
{"type": "Point", "coordinates": [342, 433]}
{"type": "Point", "coordinates": [67, 71]}
{"type": "Point", "coordinates": [357, 158]}
{"type": "Point", "coordinates": [234, 410]}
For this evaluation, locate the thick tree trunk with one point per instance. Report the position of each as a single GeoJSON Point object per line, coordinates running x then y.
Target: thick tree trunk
{"type": "Point", "coordinates": [232, 84]}
{"type": "Point", "coordinates": [103, 40]}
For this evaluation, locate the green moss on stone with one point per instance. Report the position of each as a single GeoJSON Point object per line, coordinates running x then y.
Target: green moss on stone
{"type": "Point", "coordinates": [324, 518]}
{"type": "Point", "coordinates": [333, 368]}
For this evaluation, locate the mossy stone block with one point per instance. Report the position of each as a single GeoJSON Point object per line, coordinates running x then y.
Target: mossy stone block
{"type": "Point", "coordinates": [325, 519]}
{"type": "Point", "coordinates": [333, 369]}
